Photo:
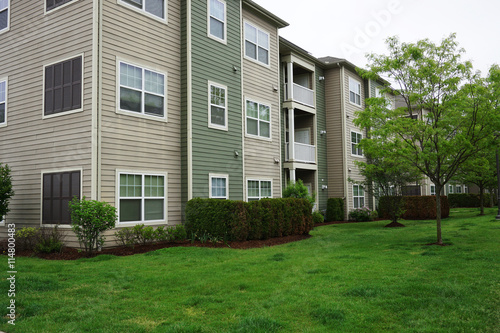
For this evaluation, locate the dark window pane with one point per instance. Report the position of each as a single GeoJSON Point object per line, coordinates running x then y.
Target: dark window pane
{"type": "Point", "coordinates": [130, 210]}
{"type": "Point", "coordinates": [65, 215]}
{"type": "Point", "coordinates": [155, 7]}
{"type": "Point", "coordinates": [57, 190]}
{"type": "Point", "coordinates": [153, 209]}
{"type": "Point", "coordinates": [130, 100]}
{"type": "Point", "coordinates": [154, 105]}
{"type": "Point", "coordinates": [65, 186]}
{"type": "Point", "coordinates": [56, 185]}
{"type": "Point", "coordinates": [67, 69]}
{"type": "Point", "coordinates": [77, 69]}
{"type": "Point", "coordinates": [58, 102]}
{"type": "Point", "coordinates": [77, 96]}
{"type": "Point", "coordinates": [251, 50]}
{"type": "Point", "coordinates": [51, 4]}
{"type": "Point", "coordinates": [75, 184]}
{"type": "Point", "coordinates": [49, 77]}
{"type": "Point", "coordinates": [4, 17]}
{"type": "Point", "coordinates": [2, 112]}
{"type": "Point", "coordinates": [135, 3]}
{"type": "Point", "coordinates": [49, 102]}
{"type": "Point", "coordinates": [67, 102]}
{"type": "Point", "coordinates": [263, 55]}
{"type": "Point", "coordinates": [57, 75]}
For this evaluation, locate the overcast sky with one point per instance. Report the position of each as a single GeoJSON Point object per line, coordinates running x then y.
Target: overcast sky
{"type": "Point", "coordinates": [351, 28]}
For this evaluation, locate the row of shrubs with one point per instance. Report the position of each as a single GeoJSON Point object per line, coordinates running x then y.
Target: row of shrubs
{"type": "Point", "coordinates": [416, 207]}
{"type": "Point", "coordinates": [40, 240]}
{"type": "Point", "coordinates": [469, 200]}
{"type": "Point", "coordinates": [142, 235]}
{"type": "Point", "coordinates": [239, 221]}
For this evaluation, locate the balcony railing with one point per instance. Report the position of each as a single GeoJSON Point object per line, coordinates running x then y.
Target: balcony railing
{"type": "Point", "coordinates": [301, 94]}
{"type": "Point", "coordinates": [303, 153]}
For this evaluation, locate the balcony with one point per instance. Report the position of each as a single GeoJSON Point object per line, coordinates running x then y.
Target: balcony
{"type": "Point", "coordinates": [303, 153]}
{"type": "Point", "coordinates": [301, 95]}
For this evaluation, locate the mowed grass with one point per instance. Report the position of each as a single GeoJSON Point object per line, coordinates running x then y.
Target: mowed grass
{"type": "Point", "coordinates": [346, 278]}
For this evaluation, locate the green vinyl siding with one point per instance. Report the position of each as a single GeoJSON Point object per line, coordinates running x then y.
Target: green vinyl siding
{"type": "Point", "coordinates": [214, 149]}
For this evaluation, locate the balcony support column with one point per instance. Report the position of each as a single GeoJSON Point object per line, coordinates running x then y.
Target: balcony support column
{"type": "Point", "coordinates": [289, 86]}
{"type": "Point", "coordinates": [292, 176]}
{"type": "Point", "coordinates": [291, 134]}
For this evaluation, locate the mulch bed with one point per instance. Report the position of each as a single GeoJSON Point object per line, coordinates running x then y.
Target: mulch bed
{"type": "Point", "coordinates": [68, 253]}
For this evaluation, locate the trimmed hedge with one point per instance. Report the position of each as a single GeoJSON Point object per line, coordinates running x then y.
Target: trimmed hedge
{"type": "Point", "coordinates": [468, 200]}
{"type": "Point", "coordinates": [335, 209]}
{"type": "Point", "coordinates": [239, 220]}
{"type": "Point", "coordinates": [417, 207]}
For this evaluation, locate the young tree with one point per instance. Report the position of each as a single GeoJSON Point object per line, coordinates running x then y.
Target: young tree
{"type": "Point", "coordinates": [6, 191]}
{"type": "Point", "coordinates": [446, 114]}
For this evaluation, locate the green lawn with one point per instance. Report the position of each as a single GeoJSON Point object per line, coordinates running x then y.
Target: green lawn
{"type": "Point", "coordinates": [346, 278]}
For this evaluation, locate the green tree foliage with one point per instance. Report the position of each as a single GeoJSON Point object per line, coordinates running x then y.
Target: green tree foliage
{"type": "Point", "coordinates": [298, 190]}
{"type": "Point", "coordinates": [453, 107]}
{"type": "Point", "coordinates": [6, 191]}
{"type": "Point", "coordinates": [89, 219]}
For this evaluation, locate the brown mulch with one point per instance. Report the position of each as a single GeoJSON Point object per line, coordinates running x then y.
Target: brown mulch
{"type": "Point", "coordinates": [68, 253]}
{"type": "Point", "coordinates": [394, 225]}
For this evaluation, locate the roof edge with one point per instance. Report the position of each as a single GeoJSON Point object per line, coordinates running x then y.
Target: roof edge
{"type": "Point", "coordinates": [280, 23]}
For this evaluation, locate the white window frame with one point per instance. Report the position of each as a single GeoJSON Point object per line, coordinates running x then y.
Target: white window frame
{"type": "Point", "coordinates": [260, 180]}
{"type": "Point", "coordinates": [210, 124]}
{"type": "Point", "coordinates": [458, 189]}
{"type": "Point", "coordinates": [357, 149]}
{"type": "Point", "coordinates": [64, 113]}
{"type": "Point", "coordinates": [433, 189]}
{"type": "Point", "coordinates": [450, 189]}
{"type": "Point", "coordinates": [46, 12]}
{"type": "Point", "coordinates": [268, 64]}
{"type": "Point", "coordinates": [141, 114]}
{"type": "Point", "coordinates": [42, 173]}
{"type": "Point", "coordinates": [6, 81]}
{"type": "Point", "coordinates": [7, 28]}
{"type": "Point", "coordinates": [217, 38]}
{"type": "Point", "coordinates": [358, 196]}
{"type": "Point", "coordinates": [120, 172]}
{"type": "Point", "coordinates": [144, 12]}
{"type": "Point", "coordinates": [258, 136]}
{"type": "Point", "coordinates": [358, 83]}
{"type": "Point", "coordinates": [217, 175]}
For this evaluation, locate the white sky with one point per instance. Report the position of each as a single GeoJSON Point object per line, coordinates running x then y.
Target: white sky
{"type": "Point", "coordinates": [351, 28]}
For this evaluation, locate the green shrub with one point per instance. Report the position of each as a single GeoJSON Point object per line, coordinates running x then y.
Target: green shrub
{"type": "Point", "coordinates": [238, 220]}
{"type": "Point", "coordinates": [177, 233]}
{"type": "Point", "coordinates": [417, 207]}
{"type": "Point", "coordinates": [317, 217]}
{"type": "Point", "coordinates": [298, 190]}
{"type": "Point", "coordinates": [335, 209]}
{"type": "Point", "coordinates": [144, 234]}
{"type": "Point", "coordinates": [126, 236]}
{"type": "Point", "coordinates": [49, 240]}
{"type": "Point", "coordinates": [89, 219]}
{"type": "Point", "coordinates": [362, 214]}
{"type": "Point", "coordinates": [6, 191]}
{"type": "Point", "coordinates": [27, 238]}
{"type": "Point", "coordinates": [468, 200]}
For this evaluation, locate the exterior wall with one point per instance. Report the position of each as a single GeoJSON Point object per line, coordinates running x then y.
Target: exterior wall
{"type": "Point", "coordinates": [214, 149]}
{"type": "Point", "coordinates": [334, 133]}
{"type": "Point", "coordinates": [129, 142]}
{"type": "Point", "coordinates": [259, 83]}
{"type": "Point", "coordinates": [30, 144]}
{"type": "Point", "coordinates": [321, 142]}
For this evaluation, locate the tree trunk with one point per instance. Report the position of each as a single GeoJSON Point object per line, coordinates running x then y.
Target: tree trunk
{"type": "Point", "coordinates": [438, 214]}
{"type": "Point", "coordinates": [481, 200]}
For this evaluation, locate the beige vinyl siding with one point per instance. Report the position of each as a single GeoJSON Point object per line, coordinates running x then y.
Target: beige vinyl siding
{"type": "Point", "coordinates": [335, 155]}
{"type": "Point", "coordinates": [30, 144]}
{"type": "Point", "coordinates": [135, 143]}
{"type": "Point", "coordinates": [258, 83]}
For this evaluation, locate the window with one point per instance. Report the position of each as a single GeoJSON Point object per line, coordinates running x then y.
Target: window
{"type": "Point", "coordinates": [142, 91]}
{"type": "Point", "coordinates": [355, 140]}
{"type": "Point", "coordinates": [450, 189]}
{"type": "Point", "coordinates": [218, 186]}
{"type": "Point", "coordinates": [433, 189]}
{"type": "Point", "coordinates": [142, 197]}
{"type": "Point", "coordinates": [358, 194]}
{"type": "Point", "coordinates": [256, 44]}
{"type": "Point", "coordinates": [4, 15]}
{"type": "Point", "coordinates": [458, 189]}
{"type": "Point", "coordinates": [217, 19]}
{"type": "Point", "coordinates": [63, 86]}
{"type": "Point", "coordinates": [217, 112]}
{"type": "Point", "coordinates": [3, 102]}
{"type": "Point", "coordinates": [354, 92]}
{"type": "Point", "coordinates": [258, 189]}
{"type": "Point", "coordinates": [156, 8]}
{"type": "Point", "coordinates": [59, 188]}
{"type": "Point", "coordinates": [51, 4]}
{"type": "Point", "coordinates": [258, 119]}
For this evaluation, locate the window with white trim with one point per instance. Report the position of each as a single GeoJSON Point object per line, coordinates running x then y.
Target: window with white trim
{"type": "Point", "coordinates": [355, 140]}
{"type": "Point", "coordinates": [450, 189]}
{"type": "Point", "coordinates": [433, 189]}
{"type": "Point", "coordinates": [217, 112]}
{"type": "Point", "coordinates": [142, 91]}
{"type": "Point", "coordinates": [51, 4]}
{"type": "Point", "coordinates": [3, 102]}
{"type": "Point", "coordinates": [354, 91]}
{"type": "Point", "coordinates": [256, 44]}
{"type": "Point", "coordinates": [156, 8]}
{"type": "Point", "coordinates": [4, 15]}
{"type": "Point", "coordinates": [258, 189]}
{"type": "Point", "coordinates": [58, 189]}
{"type": "Point", "coordinates": [258, 119]}
{"type": "Point", "coordinates": [142, 197]}
{"type": "Point", "coordinates": [217, 19]}
{"type": "Point", "coordinates": [63, 86]}
{"type": "Point", "coordinates": [358, 196]}
{"type": "Point", "coordinates": [218, 186]}
{"type": "Point", "coordinates": [458, 189]}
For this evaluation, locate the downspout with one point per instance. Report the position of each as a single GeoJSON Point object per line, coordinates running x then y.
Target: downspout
{"type": "Point", "coordinates": [189, 104]}
{"type": "Point", "coordinates": [95, 183]}
{"type": "Point", "coordinates": [344, 141]}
